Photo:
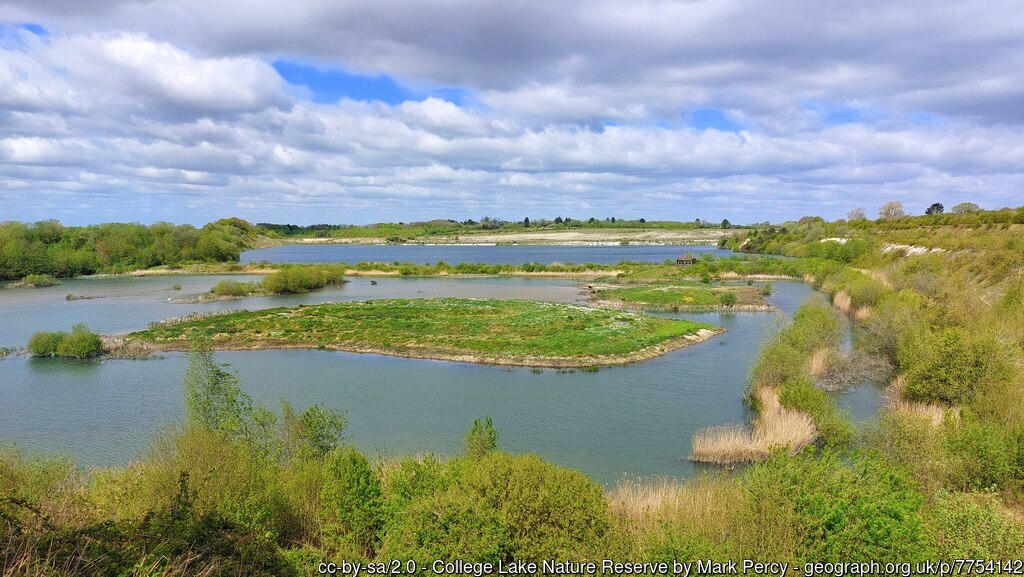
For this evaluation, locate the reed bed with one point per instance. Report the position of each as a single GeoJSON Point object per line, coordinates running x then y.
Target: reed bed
{"type": "Point", "coordinates": [776, 427]}
{"type": "Point", "coordinates": [933, 413]}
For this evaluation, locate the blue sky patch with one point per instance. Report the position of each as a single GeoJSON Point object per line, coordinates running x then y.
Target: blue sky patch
{"type": "Point", "coordinates": [705, 118]}
{"type": "Point", "coordinates": [329, 85]}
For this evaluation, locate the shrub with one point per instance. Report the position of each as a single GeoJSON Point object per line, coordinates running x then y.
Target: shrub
{"type": "Point", "coordinates": [820, 508]}
{"type": "Point", "coordinates": [948, 365]}
{"type": "Point", "coordinates": [981, 456]}
{"type": "Point", "coordinates": [547, 511]}
{"type": "Point", "coordinates": [44, 344]}
{"type": "Point", "coordinates": [352, 502]}
{"type": "Point", "coordinates": [968, 526]}
{"type": "Point", "coordinates": [449, 524]}
{"type": "Point", "coordinates": [727, 298]}
{"type": "Point", "coordinates": [80, 343]}
{"type": "Point", "coordinates": [482, 438]}
{"type": "Point", "coordinates": [233, 288]}
{"type": "Point", "coordinates": [302, 279]}
{"type": "Point", "coordinates": [39, 280]}
{"type": "Point", "coordinates": [801, 394]}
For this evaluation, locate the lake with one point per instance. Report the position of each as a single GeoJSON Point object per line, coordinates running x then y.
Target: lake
{"type": "Point", "coordinates": [454, 254]}
{"type": "Point", "coordinates": [635, 420]}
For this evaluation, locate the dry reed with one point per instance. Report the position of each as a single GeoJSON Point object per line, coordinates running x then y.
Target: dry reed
{"type": "Point", "coordinates": [776, 427]}
{"type": "Point", "coordinates": [930, 412]}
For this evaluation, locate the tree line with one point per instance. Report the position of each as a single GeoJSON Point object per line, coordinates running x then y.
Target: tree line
{"type": "Point", "coordinates": [50, 248]}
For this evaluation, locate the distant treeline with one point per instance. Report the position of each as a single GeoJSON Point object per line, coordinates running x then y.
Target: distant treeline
{"type": "Point", "coordinates": [49, 247]}
{"type": "Point", "coordinates": [448, 226]}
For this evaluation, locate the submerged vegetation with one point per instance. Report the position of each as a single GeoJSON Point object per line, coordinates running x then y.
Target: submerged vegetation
{"type": "Point", "coordinates": [480, 330]}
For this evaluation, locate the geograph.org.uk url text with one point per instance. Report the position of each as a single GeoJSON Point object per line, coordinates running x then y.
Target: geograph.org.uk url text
{"type": "Point", "coordinates": [462, 568]}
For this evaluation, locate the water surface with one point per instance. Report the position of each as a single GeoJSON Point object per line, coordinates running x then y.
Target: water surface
{"type": "Point", "coordinates": [454, 254]}
{"type": "Point", "coordinates": [635, 420]}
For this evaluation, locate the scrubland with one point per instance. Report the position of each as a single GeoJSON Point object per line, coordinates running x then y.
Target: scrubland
{"type": "Point", "coordinates": [239, 489]}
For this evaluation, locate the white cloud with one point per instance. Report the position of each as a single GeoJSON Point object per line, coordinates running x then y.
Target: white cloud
{"type": "Point", "coordinates": [574, 106]}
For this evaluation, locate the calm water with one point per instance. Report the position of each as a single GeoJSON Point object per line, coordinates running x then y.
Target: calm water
{"type": "Point", "coordinates": [632, 420]}
{"type": "Point", "coordinates": [454, 254]}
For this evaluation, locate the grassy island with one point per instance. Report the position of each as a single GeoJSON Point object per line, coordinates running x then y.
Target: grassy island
{"type": "Point", "coordinates": [505, 332]}
{"type": "Point", "coordinates": [682, 296]}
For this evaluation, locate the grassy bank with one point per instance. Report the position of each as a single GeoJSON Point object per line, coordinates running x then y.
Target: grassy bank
{"type": "Point", "coordinates": [507, 332]}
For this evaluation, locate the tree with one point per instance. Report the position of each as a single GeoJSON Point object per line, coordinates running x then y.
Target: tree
{"type": "Point", "coordinates": [891, 210]}
{"type": "Point", "coordinates": [643, 220]}
{"type": "Point", "coordinates": [935, 208]}
{"type": "Point", "coordinates": [526, 222]}
{"type": "Point", "coordinates": [482, 438]}
{"type": "Point", "coordinates": [727, 298]}
{"type": "Point", "coordinates": [558, 220]}
{"type": "Point", "coordinates": [726, 223]}
{"type": "Point", "coordinates": [315, 431]}
{"type": "Point", "coordinates": [613, 220]}
{"type": "Point", "coordinates": [856, 214]}
{"type": "Point", "coordinates": [214, 399]}
{"type": "Point", "coordinates": [966, 207]}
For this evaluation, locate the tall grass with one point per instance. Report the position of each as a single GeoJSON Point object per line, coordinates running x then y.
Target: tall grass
{"type": "Point", "coordinates": [776, 428]}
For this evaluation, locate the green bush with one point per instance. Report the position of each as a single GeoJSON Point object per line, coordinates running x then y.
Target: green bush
{"type": "Point", "coordinates": [352, 502]}
{"type": "Point", "coordinates": [449, 524]}
{"type": "Point", "coordinates": [727, 298]}
{"type": "Point", "coordinates": [802, 395]}
{"type": "Point", "coordinates": [968, 526]}
{"type": "Point", "coordinates": [949, 365]}
{"type": "Point", "coordinates": [80, 343]}
{"type": "Point", "coordinates": [302, 279]}
{"type": "Point", "coordinates": [981, 456]}
{"type": "Point", "coordinates": [44, 344]}
{"type": "Point", "coordinates": [482, 438]}
{"type": "Point", "coordinates": [824, 508]}
{"type": "Point", "coordinates": [39, 280]}
{"type": "Point", "coordinates": [547, 511]}
{"type": "Point", "coordinates": [233, 288]}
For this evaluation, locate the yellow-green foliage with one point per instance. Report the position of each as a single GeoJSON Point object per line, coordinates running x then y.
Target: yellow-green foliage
{"type": "Point", "coordinates": [952, 364]}
{"type": "Point", "coordinates": [233, 288]}
{"type": "Point", "coordinates": [352, 505]}
{"type": "Point", "coordinates": [80, 343]}
{"type": "Point", "coordinates": [817, 508]}
{"type": "Point", "coordinates": [302, 278]}
{"type": "Point", "coordinates": [974, 526]}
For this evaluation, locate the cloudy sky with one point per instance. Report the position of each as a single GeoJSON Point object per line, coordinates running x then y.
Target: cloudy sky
{"type": "Point", "coordinates": [364, 111]}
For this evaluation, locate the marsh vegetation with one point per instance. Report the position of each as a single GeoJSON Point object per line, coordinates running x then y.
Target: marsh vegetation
{"type": "Point", "coordinates": [479, 330]}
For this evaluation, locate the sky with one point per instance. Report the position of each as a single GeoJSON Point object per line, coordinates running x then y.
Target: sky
{"type": "Point", "coordinates": [366, 111]}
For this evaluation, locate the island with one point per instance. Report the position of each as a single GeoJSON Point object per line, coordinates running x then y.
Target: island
{"type": "Point", "coordinates": [487, 331]}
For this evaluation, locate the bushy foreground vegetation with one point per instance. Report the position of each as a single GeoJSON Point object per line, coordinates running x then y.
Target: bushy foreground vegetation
{"type": "Point", "coordinates": [241, 490]}
{"type": "Point", "coordinates": [482, 330]}
{"type": "Point", "coordinates": [50, 248]}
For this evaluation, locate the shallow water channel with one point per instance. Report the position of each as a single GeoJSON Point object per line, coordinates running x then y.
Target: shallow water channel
{"type": "Point", "coordinates": [635, 420]}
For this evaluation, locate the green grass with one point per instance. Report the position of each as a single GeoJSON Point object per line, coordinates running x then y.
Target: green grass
{"type": "Point", "coordinates": [498, 331]}
{"type": "Point", "coordinates": [683, 296]}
